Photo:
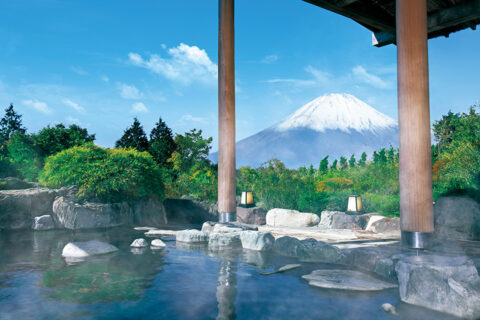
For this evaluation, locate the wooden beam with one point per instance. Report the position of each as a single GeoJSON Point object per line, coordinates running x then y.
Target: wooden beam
{"type": "Point", "coordinates": [365, 15]}
{"type": "Point", "coordinates": [226, 112]}
{"type": "Point", "coordinates": [415, 165]}
{"type": "Point", "coordinates": [438, 21]}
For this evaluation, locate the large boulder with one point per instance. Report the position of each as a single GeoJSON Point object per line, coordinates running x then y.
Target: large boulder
{"type": "Point", "coordinates": [70, 214]}
{"type": "Point", "coordinates": [254, 215]}
{"type": "Point", "coordinates": [189, 210]}
{"type": "Point", "coordinates": [457, 218]}
{"type": "Point", "coordinates": [291, 218]}
{"type": "Point", "coordinates": [316, 251]}
{"type": "Point", "coordinates": [286, 246]}
{"type": "Point", "coordinates": [150, 212]}
{"type": "Point", "coordinates": [442, 283]}
{"type": "Point", "coordinates": [326, 218]}
{"type": "Point", "coordinates": [44, 222]}
{"type": "Point", "coordinates": [353, 221]}
{"type": "Point", "coordinates": [384, 225]}
{"type": "Point", "coordinates": [86, 249]}
{"type": "Point", "coordinates": [192, 236]}
{"type": "Point", "coordinates": [256, 240]}
{"type": "Point", "coordinates": [222, 240]}
{"type": "Point", "coordinates": [19, 207]}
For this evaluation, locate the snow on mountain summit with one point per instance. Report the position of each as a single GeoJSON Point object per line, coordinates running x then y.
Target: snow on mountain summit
{"type": "Point", "coordinates": [337, 112]}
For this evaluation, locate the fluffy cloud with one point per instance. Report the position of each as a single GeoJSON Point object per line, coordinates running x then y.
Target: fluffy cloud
{"type": "Point", "coordinates": [269, 59]}
{"type": "Point", "coordinates": [362, 75]}
{"type": "Point", "coordinates": [318, 77]}
{"type": "Point", "coordinates": [38, 105]}
{"type": "Point", "coordinates": [73, 105]}
{"type": "Point", "coordinates": [139, 107]}
{"type": "Point", "coordinates": [129, 92]}
{"type": "Point", "coordinates": [185, 64]}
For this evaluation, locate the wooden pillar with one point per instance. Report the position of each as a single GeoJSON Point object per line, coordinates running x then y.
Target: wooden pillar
{"type": "Point", "coordinates": [415, 167]}
{"type": "Point", "coordinates": [226, 112]}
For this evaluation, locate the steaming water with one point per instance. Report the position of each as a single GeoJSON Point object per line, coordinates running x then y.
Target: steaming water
{"type": "Point", "coordinates": [177, 282]}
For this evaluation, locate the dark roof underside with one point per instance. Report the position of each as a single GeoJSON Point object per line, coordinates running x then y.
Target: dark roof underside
{"type": "Point", "coordinates": [444, 16]}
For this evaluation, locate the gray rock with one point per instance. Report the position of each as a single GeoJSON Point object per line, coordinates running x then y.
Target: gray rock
{"type": "Point", "coordinates": [220, 240]}
{"type": "Point", "coordinates": [282, 269]}
{"type": "Point", "coordinates": [385, 225]}
{"type": "Point", "coordinates": [286, 246]}
{"type": "Point", "coordinates": [149, 212]}
{"type": "Point", "coordinates": [457, 218]}
{"type": "Point", "coordinates": [157, 243]}
{"type": "Point", "coordinates": [316, 251]}
{"type": "Point", "coordinates": [225, 228]}
{"type": "Point", "coordinates": [346, 280]}
{"type": "Point", "coordinates": [190, 210]}
{"type": "Point", "coordinates": [388, 308]}
{"type": "Point", "coordinates": [44, 222]}
{"type": "Point", "coordinates": [86, 249]}
{"type": "Point", "coordinates": [350, 221]}
{"type": "Point", "coordinates": [291, 218]}
{"type": "Point", "coordinates": [19, 207]}
{"type": "Point", "coordinates": [442, 283]}
{"type": "Point", "coordinates": [139, 243]}
{"type": "Point", "coordinates": [164, 234]}
{"type": "Point", "coordinates": [254, 215]}
{"type": "Point", "coordinates": [256, 240]}
{"type": "Point", "coordinates": [326, 218]}
{"type": "Point", "coordinates": [208, 226]}
{"type": "Point", "coordinates": [192, 236]}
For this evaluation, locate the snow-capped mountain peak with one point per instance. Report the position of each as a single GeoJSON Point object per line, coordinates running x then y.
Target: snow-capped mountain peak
{"type": "Point", "coordinates": [337, 112]}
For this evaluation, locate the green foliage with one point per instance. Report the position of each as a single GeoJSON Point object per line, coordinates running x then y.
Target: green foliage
{"type": "Point", "coordinates": [323, 168]}
{"type": "Point", "coordinates": [192, 149]}
{"type": "Point", "coordinates": [52, 140]}
{"type": "Point", "coordinates": [9, 125]}
{"type": "Point", "coordinates": [334, 165]}
{"type": "Point", "coordinates": [352, 162]}
{"type": "Point", "coordinates": [23, 156]}
{"type": "Point", "coordinates": [161, 145]}
{"type": "Point", "coordinates": [108, 175]}
{"type": "Point", "coordinates": [133, 137]}
{"type": "Point", "coordinates": [363, 160]}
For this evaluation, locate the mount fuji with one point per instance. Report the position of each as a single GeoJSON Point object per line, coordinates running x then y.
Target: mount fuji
{"type": "Point", "coordinates": [335, 125]}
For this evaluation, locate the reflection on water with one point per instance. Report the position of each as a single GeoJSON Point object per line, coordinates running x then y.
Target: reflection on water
{"type": "Point", "coordinates": [177, 282]}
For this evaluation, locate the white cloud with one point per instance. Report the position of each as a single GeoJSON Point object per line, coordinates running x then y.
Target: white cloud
{"type": "Point", "coordinates": [186, 64]}
{"type": "Point", "coordinates": [38, 105]}
{"type": "Point", "coordinates": [362, 75]}
{"type": "Point", "coordinates": [129, 92]}
{"type": "Point", "coordinates": [73, 105]}
{"type": "Point", "coordinates": [139, 107]}
{"type": "Point", "coordinates": [105, 79]}
{"type": "Point", "coordinates": [79, 71]}
{"type": "Point", "coordinates": [189, 118]}
{"type": "Point", "coordinates": [72, 120]}
{"type": "Point", "coordinates": [269, 59]}
{"type": "Point", "coordinates": [318, 77]}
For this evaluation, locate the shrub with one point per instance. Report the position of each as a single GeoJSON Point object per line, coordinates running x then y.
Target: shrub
{"type": "Point", "coordinates": [24, 157]}
{"type": "Point", "coordinates": [108, 175]}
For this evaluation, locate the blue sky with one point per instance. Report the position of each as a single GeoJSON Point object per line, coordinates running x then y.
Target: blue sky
{"type": "Point", "coordinates": [100, 63]}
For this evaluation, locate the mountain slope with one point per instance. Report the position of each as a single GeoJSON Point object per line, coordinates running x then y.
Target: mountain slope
{"type": "Point", "coordinates": [334, 125]}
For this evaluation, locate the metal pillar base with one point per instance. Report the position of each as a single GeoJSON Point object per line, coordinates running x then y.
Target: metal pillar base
{"type": "Point", "coordinates": [416, 240]}
{"type": "Point", "coordinates": [225, 217]}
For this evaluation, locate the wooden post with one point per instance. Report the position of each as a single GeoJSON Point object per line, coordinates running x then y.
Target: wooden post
{"type": "Point", "coordinates": [226, 112]}
{"type": "Point", "coordinates": [415, 167]}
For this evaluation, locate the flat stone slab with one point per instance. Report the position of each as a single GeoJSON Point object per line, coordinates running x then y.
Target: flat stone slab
{"type": "Point", "coordinates": [144, 228]}
{"type": "Point", "coordinates": [86, 249]}
{"type": "Point", "coordinates": [282, 269]}
{"type": "Point", "coordinates": [161, 233]}
{"type": "Point", "coordinates": [346, 280]}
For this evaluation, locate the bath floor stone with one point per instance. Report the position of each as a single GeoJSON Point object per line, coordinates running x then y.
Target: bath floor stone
{"type": "Point", "coordinates": [346, 280]}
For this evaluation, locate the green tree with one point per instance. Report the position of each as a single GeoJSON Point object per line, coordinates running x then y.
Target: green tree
{"type": "Point", "coordinates": [352, 161]}
{"type": "Point", "coordinates": [343, 163]}
{"type": "Point", "coordinates": [52, 140]}
{"type": "Point", "coordinates": [334, 165]}
{"type": "Point", "coordinates": [192, 149]}
{"type": "Point", "coordinates": [9, 124]}
{"type": "Point", "coordinates": [162, 144]}
{"type": "Point", "coordinates": [24, 156]}
{"type": "Point", "coordinates": [323, 168]}
{"type": "Point", "coordinates": [311, 170]}
{"type": "Point", "coordinates": [391, 155]}
{"type": "Point", "coordinates": [133, 137]}
{"type": "Point", "coordinates": [363, 160]}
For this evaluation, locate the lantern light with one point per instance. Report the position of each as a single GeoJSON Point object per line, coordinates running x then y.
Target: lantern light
{"type": "Point", "coordinates": [246, 200]}
{"type": "Point", "coordinates": [354, 204]}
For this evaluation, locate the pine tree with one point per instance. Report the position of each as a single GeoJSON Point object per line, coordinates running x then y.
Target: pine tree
{"type": "Point", "coordinates": [133, 137]}
{"type": "Point", "coordinates": [311, 171]}
{"type": "Point", "coordinates": [334, 165]}
{"type": "Point", "coordinates": [162, 144]}
{"type": "Point", "coordinates": [363, 160]}
{"type": "Point", "coordinates": [343, 163]}
{"type": "Point", "coordinates": [323, 168]}
{"type": "Point", "coordinates": [352, 161]}
{"type": "Point", "coordinates": [9, 124]}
